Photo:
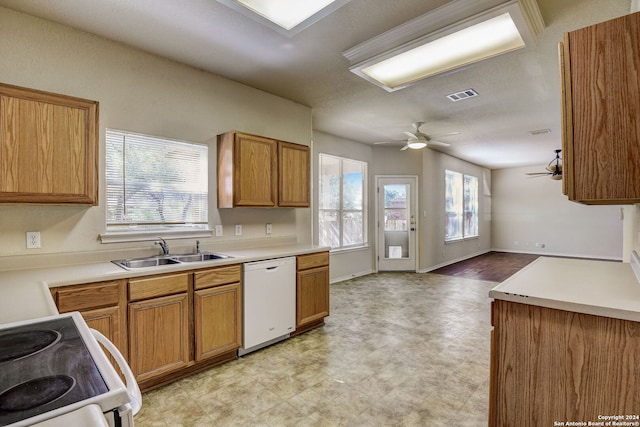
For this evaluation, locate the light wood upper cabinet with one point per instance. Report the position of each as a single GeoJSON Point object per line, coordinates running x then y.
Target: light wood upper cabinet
{"type": "Point", "coordinates": [254, 171]}
{"type": "Point", "coordinates": [48, 148]}
{"type": "Point", "coordinates": [247, 171]}
{"type": "Point", "coordinates": [600, 74]}
{"type": "Point", "coordinates": [294, 169]}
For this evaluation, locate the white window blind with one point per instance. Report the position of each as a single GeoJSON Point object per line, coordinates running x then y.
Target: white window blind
{"type": "Point", "coordinates": [152, 181]}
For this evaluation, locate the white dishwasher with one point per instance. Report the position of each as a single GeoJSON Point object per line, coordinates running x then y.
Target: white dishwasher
{"type": "Point", "coordinates": [269, 313]}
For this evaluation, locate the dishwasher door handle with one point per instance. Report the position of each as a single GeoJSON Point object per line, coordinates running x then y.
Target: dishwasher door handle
{"type": "Point", "coordinates": [272, 268]}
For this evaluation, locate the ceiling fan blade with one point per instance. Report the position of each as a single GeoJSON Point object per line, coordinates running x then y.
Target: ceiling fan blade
{"type": "Point", "coordinates": [404, 148]}
{"type": "Point", "coordinates": [411, 135]}
{"type": "Point", "coordinates": [444, 134]}
{"type": "Point", "coordinates": [539, 173]}
{"type": "Point", "coordinates": [442, 144]}
{"type": "Point", "coordinates": [399, 141]}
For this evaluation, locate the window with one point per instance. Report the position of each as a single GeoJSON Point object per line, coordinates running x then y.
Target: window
{"type": "Point", "coordinates": [154, 182]}
{"type": "Point", "coordinates": [461, 206]}
{"type": "Point", "coordinates": [341, 211]}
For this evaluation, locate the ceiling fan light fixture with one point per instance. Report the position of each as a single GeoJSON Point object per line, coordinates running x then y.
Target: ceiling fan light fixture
{"type": "Point", "coordinates": [416, 144]}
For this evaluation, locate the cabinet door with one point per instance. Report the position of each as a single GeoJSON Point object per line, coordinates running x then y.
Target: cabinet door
{"type": "Point", "coordinates": [158, 335]}
{"type": "Point", "coordinates": [217, 320]}
{"type": "Point", "coordinates": [294, 170]}
{"type": "Point", "coordinates": [47, 148]}
{"type": "Point", "coordinates": [255, 171]}
{"type": "Point", "coordinates": [602, 79]}
{"type": "Point", "coordinates": [312, 295]}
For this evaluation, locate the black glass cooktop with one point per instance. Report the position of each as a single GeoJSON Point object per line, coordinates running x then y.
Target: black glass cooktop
{"type": "Point", "coordinates": [44, 366]}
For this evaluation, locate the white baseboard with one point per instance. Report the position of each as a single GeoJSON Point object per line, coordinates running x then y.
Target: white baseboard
{"type": "Point", "coordinates": [351, 276]}
{"type": "Point", "coordinates": [558, 254]}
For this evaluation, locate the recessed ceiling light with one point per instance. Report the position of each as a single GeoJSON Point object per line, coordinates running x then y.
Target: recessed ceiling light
{"type": "Point", "coordinates": [292, 16]}
{"type": "Point", "coordinates": [438, 47]}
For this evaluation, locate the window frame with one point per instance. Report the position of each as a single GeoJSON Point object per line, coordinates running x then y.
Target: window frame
{"type": "Point", "coordinates": [462, 203]}
{"type": "Point", "coordinates": [341, 210]}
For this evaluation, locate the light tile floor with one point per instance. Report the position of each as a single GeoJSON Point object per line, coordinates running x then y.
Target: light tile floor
{"type": "Point", "coordinates": [399, 349]}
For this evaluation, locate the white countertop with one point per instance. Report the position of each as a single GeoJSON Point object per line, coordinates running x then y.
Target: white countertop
{"type": "Point", "coordinates": [101, 271]}
{"type": "Point", "coordinates": [601, 288]}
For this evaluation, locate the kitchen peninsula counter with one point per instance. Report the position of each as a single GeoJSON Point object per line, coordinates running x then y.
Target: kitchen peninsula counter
{"type": "Point", "coordinates": [601, 288]}
{"type": "Point", "coordinates": [565, 344]}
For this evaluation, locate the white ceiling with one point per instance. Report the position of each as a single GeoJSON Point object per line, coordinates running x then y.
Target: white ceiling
{"type": "Point", "coordinates": [518, 92]}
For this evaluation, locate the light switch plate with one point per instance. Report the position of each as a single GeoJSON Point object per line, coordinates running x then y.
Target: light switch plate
{"type": "Point", "coordinates": [218, 230]}
{"type": "Point", "coordinates": [238, 230]}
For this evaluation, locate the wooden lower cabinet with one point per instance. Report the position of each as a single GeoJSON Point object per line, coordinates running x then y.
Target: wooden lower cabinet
{"type": "Point", "coordinates": [102, 306]}
{"type": "Point", "coordinates": [217, 310]}
{"type": "Point", "coordinates": [312, 290]}
{"type": "Point", "coordinates": [552, 366]}
{"type": "Point", "coordinates": [218, 318]}
{"type": "Point", "coordinates": [159, 319]}
{"type": "Point", "coordinates": [159, 335]}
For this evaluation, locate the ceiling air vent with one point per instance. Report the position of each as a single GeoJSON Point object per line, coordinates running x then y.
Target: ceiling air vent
{"type": "Point", "coordinates": [459, 96]}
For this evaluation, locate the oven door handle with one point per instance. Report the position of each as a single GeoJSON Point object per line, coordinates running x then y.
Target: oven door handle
{"type": "Point", "coordinates": [131, 383]}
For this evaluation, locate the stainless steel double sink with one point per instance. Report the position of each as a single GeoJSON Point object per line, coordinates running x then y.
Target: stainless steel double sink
{"type": "Point", "coordinates": [156, 261]}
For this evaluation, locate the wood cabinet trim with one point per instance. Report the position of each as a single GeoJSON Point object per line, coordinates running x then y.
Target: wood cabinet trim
{"type": "Point", "coordinates": [217, 276]}
{"type": "Point", "coordinates": [90, 296]}
{"type": "Point", "coordinates": [307, 261]}
{"type": "Point", "coordinates": [156, 286]}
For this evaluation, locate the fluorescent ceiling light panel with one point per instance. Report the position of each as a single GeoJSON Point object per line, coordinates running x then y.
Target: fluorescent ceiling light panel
{"type": "Point", "coordinates": [481, 41]}
{"type": "Point", "coordinates": [287, 17]}
{"type": "Point", "coordinates": [286, 13]}
{"type": "Point", "coordinates": [449, 38]}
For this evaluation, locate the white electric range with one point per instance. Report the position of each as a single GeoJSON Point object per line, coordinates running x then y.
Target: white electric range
{"type": "Point", "coordinates": [52, 367]}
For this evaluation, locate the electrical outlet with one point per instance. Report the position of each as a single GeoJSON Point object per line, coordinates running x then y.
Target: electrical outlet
{"type": "Point", "coordinates": [33, 239]}
{"type": "Point", "coordinates": [238, 229]}
{"type": "Point", "coordinates": [218, 230]}
{"type": "Point", "coordinates": [268, 228]}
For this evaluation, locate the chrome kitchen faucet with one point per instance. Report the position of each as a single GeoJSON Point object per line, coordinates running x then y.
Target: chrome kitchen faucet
{"type": "Point", "coordinates": [163, 244]}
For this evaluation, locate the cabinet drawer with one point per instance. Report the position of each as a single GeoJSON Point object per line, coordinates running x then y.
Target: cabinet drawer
{"type": "Point", "coordinates": [83, 297]}
{"type": "Point", "coordinates": [218, 276]}
{"type": "Point", "coordinates": [158, 286]}
{"type": "Point", "coordinates": [313, 260]}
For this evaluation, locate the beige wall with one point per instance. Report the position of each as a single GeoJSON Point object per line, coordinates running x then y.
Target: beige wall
{"type": "Point", "coordinates": [533, 211]}
{"type": "Point", "coordinates": [141, 93]}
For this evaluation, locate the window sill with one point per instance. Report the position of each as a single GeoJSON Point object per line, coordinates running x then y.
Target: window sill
{"type": "Point", "coordinates": [146, 235]}
{"type": "Point", "coordinates": [461, 239]}
{"type": "Point", "coordinates": [350, 249]}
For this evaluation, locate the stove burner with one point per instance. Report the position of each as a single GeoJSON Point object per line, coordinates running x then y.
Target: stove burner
{"type": "Point", "coordinates": [21, 344]}
{"type": "Point", "coordinates": [36, 392]}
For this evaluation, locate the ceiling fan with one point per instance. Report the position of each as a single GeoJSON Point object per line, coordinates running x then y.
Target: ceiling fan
{"type": "Point", "coordinates": [554, 168]}
{"type": "Point", "coordinates": [417, 140]}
